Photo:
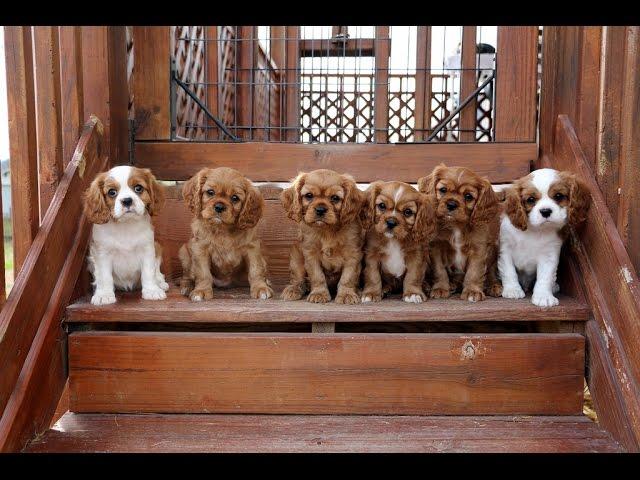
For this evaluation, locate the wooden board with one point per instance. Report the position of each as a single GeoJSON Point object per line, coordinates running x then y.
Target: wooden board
{"type": "Point", "coordinates": [468, 83]}
{"type": "Point", "coordinates": [235, 306]}
{"type": "Point", "coordinates": [272, 162]}
{"type": "Point", "coordinates": [427, 374]}
{"type": "Point", "coordinates": [316, 433]}
{"type": "Point", "coordinates": [71, 89]}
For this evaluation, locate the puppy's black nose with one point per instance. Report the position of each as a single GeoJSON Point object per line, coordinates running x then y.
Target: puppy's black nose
{"type": "Point", "coordinates": [545, 212]}
{"type": "Point", "coordinates": [320, 211]}
{"type": "Point", "coordinates": [219, 207]}
{"type": "Point", "coordinates": [127, 202]}
{"type": "Point", "coordinates": [392, 223]}
{"type": "Point", "coordinates": [452, 205]}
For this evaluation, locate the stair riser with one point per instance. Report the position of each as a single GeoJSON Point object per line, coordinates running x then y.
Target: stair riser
{"type": "Point", "coordinates": [296, 373]}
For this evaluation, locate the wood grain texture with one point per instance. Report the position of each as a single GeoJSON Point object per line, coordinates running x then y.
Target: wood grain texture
{"type": "Point", "coordinates": [21, 316]}
{"type": "Point", "coordinates": [315, 433]}
{"type": "Point", "coordinates": [468, 83]}
{"type": "Point", "coordinates": [291, 89]}
{"type": "Point", "coordinates": [72, 101]}
{"type": "Point", "coordinates": [381, 89]}
{"type": "Point", "coordinates": [273, 162]}
{"type": "Point", "coordinates": [516, 86]}
{"type": "Point", "coordinates": [234, 305]}
{"type": "Point", "coordinates": [151, 82]}
{"type": "Point", "coordinates": [422, 111]}
{"type": "Point", "coordinates": [312, 373]}
{"type": "Point", "coordinates": [22, 140]}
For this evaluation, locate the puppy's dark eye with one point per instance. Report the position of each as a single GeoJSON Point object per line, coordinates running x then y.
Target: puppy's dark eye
{"type": "Point", "coordinates": [112, 192]}
{"type": "Point", "coordinates": [408, 212]}
{"type": "Point", "coordinates": [382, 206]}
{"type": "Point", "coordinates": [138, 188]}
{"type": "Point", "coordinates": [443, 189]}
{"type": "Point", "coordinates": [531, 200]}
{"type": "Point", "coordinates": [308, 195]}
{"type": "Point", "coordinates": [558, 197]}
{"type": "Point", "coordinates": [210, 192]}
{"type": "Point", "coordinates": [235, 198]}
{"type": "Point", "coordinates": [468, 197]}
{"type": "Point", "coordinates": [335, 198]}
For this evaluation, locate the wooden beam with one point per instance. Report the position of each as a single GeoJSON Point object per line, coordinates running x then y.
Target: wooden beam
{"type": "Point", "coordinates": [212, 47]}
{"type": "Point", "coordinates": [501, 162]}
{"type": "Point", "coordinates": [23, 141]}
{"type": "Point", "coordinates": [354, 47]}
{"type": "Point", "coordinates": [516, 84]}
{"type": "Point", "coordinates": [422, 111]}
{"type": "Point", "coordinates": [292, 88]}
{"type": "Point", "coordinates": [468, 83]}
{"type": "Point", "coordinates": [151, 82]}
{"type": "Point", "coordinates": [72, 94]}
{"type": "Point", "coordinates": [308, 373]}
{"type": "Point", "coordinates": [246, 54]}
{"type": "Point", "coordinates": [381, 89]}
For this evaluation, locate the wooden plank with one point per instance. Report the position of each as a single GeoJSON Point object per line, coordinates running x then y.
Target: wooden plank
{"type": "Point", "coordinates": [517, 71]}
{"type": "Point", "coordinates": [23, 143]}
{"type": "Point", "coordinates": [46, 51]}
{"type": "Point", "coordinates": [426, 374]}
{"type": "Point", "coordinates": [246, 54]}
{"type": "Point", "coordinates": [212, 38]}
{"type": "Point", "coordinates": [3, 292]}
{"type": "Point", "coordinates": [468, 83]}
{"type": "Point", "coordinates": [381, 89]}
{"type": "Point", "coordinates": [151, 82]}
{"type": "Point", "coordinates": [21, 317]}
{"type": "Point", "coordinates": [317, 433]}
{"type": "Point", "coordinates": [501, 162]}
{"type": "Point", "coordinates": [353, 47]}
{"type": "Point", "coordinates": [422, 112]}
{"type": "Point", "coordinates": [72, 101]}
{"type": "Point", "coordinates": [118, 88]}
{"type": "Point", "coordinates": [292, 87]}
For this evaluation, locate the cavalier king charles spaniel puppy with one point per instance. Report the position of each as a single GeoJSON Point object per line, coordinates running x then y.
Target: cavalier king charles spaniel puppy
{"type": "Point", "coordinates": [400, 222]}
{"type": "Point", "coordinates": [225, 245]}
{"type": "Point", "coordinates": [465, 249]}
{"type": "Point", "coordinates": [326, 205]}
{"type": "Point", "coordinates": [539, 208]}
{"type": "Point", "coordinates": [122, 251]}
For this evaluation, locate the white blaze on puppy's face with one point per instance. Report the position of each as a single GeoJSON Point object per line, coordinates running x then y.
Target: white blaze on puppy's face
{"type": "Point", "coordinates": [127, 201]}
{"type": "Point", "coordinates": [547, 210]}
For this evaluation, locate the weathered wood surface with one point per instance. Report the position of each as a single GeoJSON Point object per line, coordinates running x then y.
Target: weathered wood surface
{"type": "Point", "coordinates": [381, 88]}
{"type": "Point", "coordinates": [319, 433]}
{"type": "Point", "coordinates": [311, 373]}
{"type": "Point", "coordinates": [272, 162]}
{"type": "Point", "coordinates": [24, 320]}
{"type": "Point", "coordinates": [71, 89]}
{"type": "Point", "coordinates": [468, 83]}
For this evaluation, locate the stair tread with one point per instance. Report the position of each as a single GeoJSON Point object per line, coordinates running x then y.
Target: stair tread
{"type": "Point", "coordinates": [235, 306]}
{"type": "Point", "coordinates": [322, 433]}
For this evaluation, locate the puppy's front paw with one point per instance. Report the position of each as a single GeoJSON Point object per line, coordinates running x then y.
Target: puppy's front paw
{"type": "Point", "coordinates": [371, 296]}
{"type": "Point", "coordinates": [495, 290]}
{"type": "Point", "coordinates": [440, 292]}
{"type": "Point", "coordinates": [292, 292]}
{"type": "Point", "coordinates": [414, 297]}
{"type": "Point", "coordinates": [163, 285]}
{"type": "Point", "coordinates": [200, 294]}
{"type": "Point", "coordinates": [153, 293]}
{"type": "Point", "coordinates": [544, 299]}
{"type": "Point", "coordinates": [348, 297]}
{"type": "Point", "coordinates": [262, 292]}
{"type": "Point", "coordinates": [103, 298]}
{"type": "Point", "coordinates": [319, 296]}
{"type": "Point", "coordinates": [472, 294]}
{"type": "Point", "coordinates": [186, 287]}
{"type": "Point", "coordinates": [512, 291]}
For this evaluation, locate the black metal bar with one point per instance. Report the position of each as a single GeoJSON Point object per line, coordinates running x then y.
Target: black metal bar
{"type": "Point", "coordinates": [451, 116]}
{"type": "Point", "coordinates": [195, 98]}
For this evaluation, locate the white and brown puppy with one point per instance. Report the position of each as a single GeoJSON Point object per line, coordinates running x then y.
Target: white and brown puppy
{"type": "Point", "coordinates": [122, 251]}
{"type": "Point", "coordinates": [539, 208]}
{"type": "Point", "coordinates": [400, 222]}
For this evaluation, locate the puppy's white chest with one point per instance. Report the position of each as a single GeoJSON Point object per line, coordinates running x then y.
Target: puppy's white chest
{"type": "Point", "coordinates": [393, 261]}
{"type": "Point", "coordinates": [459, 258]}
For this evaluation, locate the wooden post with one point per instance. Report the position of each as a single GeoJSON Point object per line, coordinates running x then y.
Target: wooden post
{"type": "Point", "coordinates": [246, 62]}
{"type": "Point", "coordinates": [423, 84]}
{"type": "Point", "coordinates": [72, 101]}
{"type": "Point", "coordinates": [23, 144]}
{"type": "Point", "coordinates": [3, 293]}
{"type": "Point", "coordinates": [212, 77]}
{"type": "Point", "coordinates": [468, 83]}
{"type": "Point", "coordinates": [151, 82]}
{"type": "Point", "coordinates": [292, 88]}
{"type": "Point", "coordinates": [516, 84]}
{"type": "Point", "coordinates": [277, 51]}
{"type": "Point", "coordinates": [381, 95]}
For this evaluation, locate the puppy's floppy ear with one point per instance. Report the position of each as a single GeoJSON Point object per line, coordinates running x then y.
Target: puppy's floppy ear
{"type": "Point", "coordinates": [514, 209]}
{"type": "Point", "coordinates": [428, 184]}
{"type": "Point", "coordinates": [486, 206]}
{"type": "Point", "coordinates": [424, 227]}
{"type": "Point", "coordinates": [95, 205]}
{"type": "Point", "coordinates": [352, 201]}
{"type": "Point", "coordinates": [156, 192]}
{"type": "Point", "coordinates": [252, 209]}
{"type": "Point", "coordinates": [368, 210]}
{"type": "Point", "coordinates": [579, 198]}
{"type": "Point", "coordinates": [290, 198]}
{"type": "Point", "coordinates": [191, 192]}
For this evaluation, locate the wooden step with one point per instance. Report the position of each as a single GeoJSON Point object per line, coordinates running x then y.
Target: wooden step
{"type": "Point", "coordinates": [88, 433]}
{"type": "Point", "coordinates": [337, 373]}
{"type": "Point", "coordinates": [235, 306]}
